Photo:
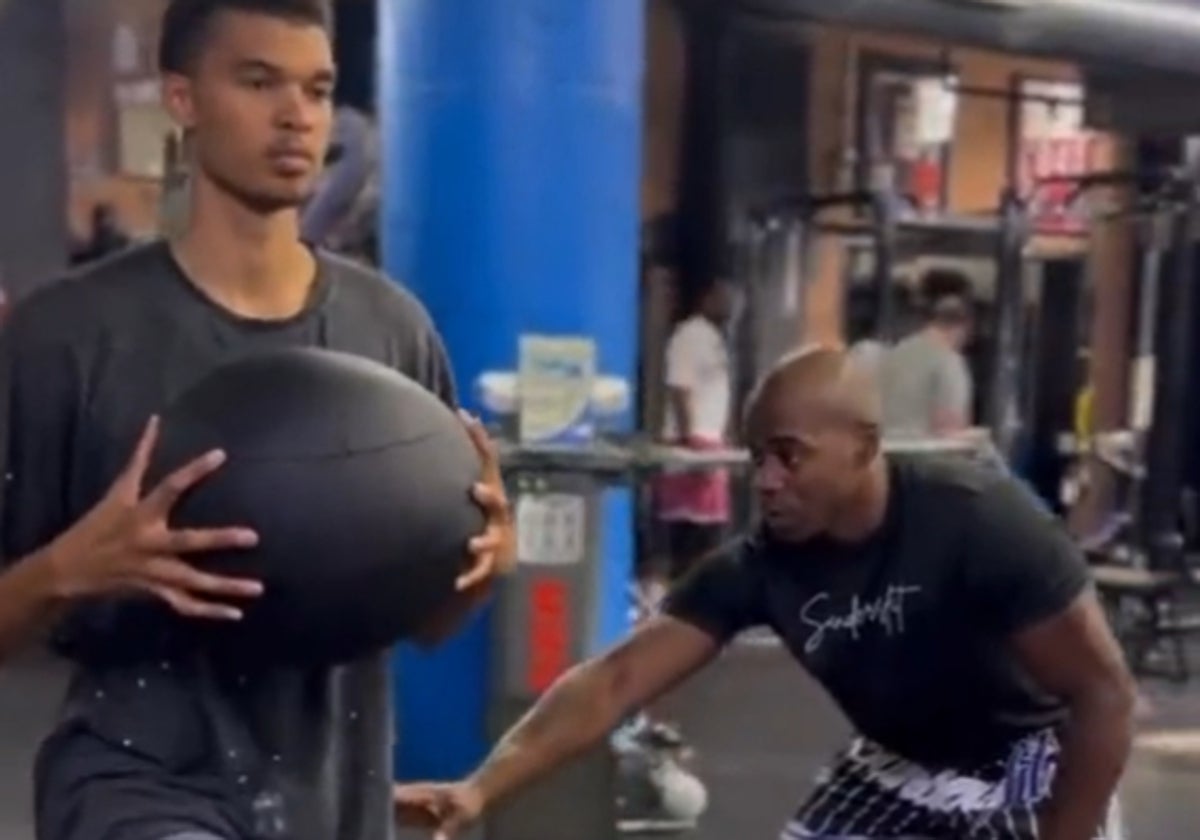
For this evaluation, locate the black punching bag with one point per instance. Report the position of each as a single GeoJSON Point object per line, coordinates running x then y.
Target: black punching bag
{"type": "Point", "coordinates": [358, 482]}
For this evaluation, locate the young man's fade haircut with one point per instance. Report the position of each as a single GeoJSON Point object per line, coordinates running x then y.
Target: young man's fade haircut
{"type": "Point", "coordinates": [187, 23]}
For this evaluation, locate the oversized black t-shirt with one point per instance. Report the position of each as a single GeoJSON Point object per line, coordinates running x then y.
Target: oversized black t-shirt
{"type": "Point", "coordinates": [153, 735]}
{"type": "Point", "coordinates": [910, 631]}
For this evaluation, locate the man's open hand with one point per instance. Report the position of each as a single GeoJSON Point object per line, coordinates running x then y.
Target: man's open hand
{"type": "Point", "coordinates": [125, 543]}
{"type": "Point", "coordinates": [445, 809]}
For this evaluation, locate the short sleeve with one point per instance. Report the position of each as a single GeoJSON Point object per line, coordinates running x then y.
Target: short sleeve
{"type": "Point", "coordinates": [722, 596]}
{"type": "Point", "coordinates": [37, 402]}
{"type": "Point", "coordinates": [952, 387]}
{"type": "Point", "coordinates": [1022, 566]}
{"type": "Point", "coordinates": [683, 352]}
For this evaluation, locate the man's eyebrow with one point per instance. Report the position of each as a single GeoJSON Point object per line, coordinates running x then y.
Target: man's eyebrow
{"type": "Point", "coordinates": [325, 74]}
{"type": "Point", "coordinates": [257, 64]}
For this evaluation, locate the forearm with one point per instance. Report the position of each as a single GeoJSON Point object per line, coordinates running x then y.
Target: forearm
{"type": "Point", "coordinates": [29, 602]}
{"type": "Point", "coordinates": [578, 711]}
{"type": "Point", "coordinates": [1095, 747]}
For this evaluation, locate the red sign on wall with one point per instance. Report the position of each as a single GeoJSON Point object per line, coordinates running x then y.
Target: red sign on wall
{"type": "Point", "coordinates": [1055, 143]}
{"type": "Point", "coordinates": [549, 632]}
{"type": "Point", "coordinates": [1052, 205]}
{"type": "Point", "coordinates": [925, 178]}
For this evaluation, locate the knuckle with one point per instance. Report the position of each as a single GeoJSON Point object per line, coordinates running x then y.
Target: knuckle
{"type": "Point", "coordinates": [145, 537]}
{"type": "Point", "coordinates": [185, 541]}
{"type": "Point", "coordinates": [205, 583]}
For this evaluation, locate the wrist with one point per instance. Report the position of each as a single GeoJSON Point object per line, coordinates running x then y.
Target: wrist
{"type": "Point", "coordinates": [477, 783]}
{"type": "Point", "coordinates": [486, 785]}
{"type": "Point", "coordinates": [54, 571]}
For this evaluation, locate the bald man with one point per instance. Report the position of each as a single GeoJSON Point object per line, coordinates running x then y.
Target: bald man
{"type": "Point", "coordinates": [947, 614]}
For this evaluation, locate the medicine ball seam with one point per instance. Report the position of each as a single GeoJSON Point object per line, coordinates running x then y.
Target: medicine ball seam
{"type": "Point", "coordinates": [341, 453]}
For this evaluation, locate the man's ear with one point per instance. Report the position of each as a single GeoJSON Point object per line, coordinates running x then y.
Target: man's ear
{"type": "Point", "coordinates": [871, 446]}
{"type": "Point", "coordinates": [178, 101]}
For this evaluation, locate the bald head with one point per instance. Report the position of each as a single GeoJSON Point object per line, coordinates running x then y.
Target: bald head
{"type": "Point", "coordinates": [827, 382]}
{"type": "Point", "coordinates": [812, 426]}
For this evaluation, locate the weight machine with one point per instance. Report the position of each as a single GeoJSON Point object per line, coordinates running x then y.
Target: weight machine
{"type": "Point", "coordinates": [1139, 558]}
{"type": "Point", "coordinates": [891, 233]}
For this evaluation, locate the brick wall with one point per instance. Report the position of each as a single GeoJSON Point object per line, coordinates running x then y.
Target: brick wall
{"type": "Point", "coordinates": [978, 154]}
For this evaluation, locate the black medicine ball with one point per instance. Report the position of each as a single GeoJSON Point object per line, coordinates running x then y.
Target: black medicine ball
{"type": "Point", "coordinates": [358, 482]}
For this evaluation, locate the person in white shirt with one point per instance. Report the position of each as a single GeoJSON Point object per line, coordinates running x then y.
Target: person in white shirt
{"type": "Point", "coordinates": [695, 506]}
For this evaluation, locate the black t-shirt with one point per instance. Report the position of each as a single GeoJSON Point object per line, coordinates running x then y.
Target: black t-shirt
{"type": "Point", "coordinates": [910, 631]}
{"type": "Point", "coordinates": [152, 731]}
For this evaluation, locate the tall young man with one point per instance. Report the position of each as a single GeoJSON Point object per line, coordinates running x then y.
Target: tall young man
{"type": "Point", "coordinates": [949, 616]}
{"type": "Point", "coordinates": [155, 740]}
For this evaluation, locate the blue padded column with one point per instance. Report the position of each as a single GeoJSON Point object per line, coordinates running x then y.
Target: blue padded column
{"type": "Point", "coordinates": [511, 141]}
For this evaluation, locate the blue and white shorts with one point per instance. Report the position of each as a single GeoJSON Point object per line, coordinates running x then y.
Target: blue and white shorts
{"type": "Point", "coordinates": [870, 793]}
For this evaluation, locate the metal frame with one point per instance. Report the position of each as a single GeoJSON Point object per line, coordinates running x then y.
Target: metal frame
{"type": "Point", "coordinates": [1109, 33]}
{"type": "Point", "coordinates": [869, 65]}
{"type": "Point", "coordinates": [1145, 597]}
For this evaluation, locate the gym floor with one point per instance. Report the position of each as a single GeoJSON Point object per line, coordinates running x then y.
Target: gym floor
{"type": "Point", "coordinates": [761, 729]}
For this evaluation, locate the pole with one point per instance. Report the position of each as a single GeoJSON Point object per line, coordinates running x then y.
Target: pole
{"type": "Point", "coordinates": [1003, 407]}
{"type": "Point", "coordinates": [1177, 301]}
{"type": "Point", "coordinates": [886, 217]}
{"type": "Point", "coordinates": [511, 137]}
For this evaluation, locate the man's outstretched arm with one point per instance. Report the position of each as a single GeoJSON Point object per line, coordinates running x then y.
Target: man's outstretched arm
{"type": "Point", "coordinates": [590, 700]}
{"type": "Point", "coordinates": [581, 709]}
{"type": "Point", "coordinates": [717, 600]}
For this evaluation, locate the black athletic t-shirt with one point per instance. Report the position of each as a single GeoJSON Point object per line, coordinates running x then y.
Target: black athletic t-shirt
{"type": "Point", "coordinates": [153, 736]}
{"type": "Point", "coordinates": [909, 631]}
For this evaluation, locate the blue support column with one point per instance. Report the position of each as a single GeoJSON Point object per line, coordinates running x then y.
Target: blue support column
{"type": "Point", "coordinates": [511, 147]}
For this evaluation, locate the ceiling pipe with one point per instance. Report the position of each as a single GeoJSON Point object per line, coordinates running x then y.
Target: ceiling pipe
{"type": "Point", "coordinates": [1135, 34]}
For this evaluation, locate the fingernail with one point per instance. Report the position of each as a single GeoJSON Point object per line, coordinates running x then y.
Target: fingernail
{"type": "Point", "coordinates": [216, 457]}
{"type": "Point", "coordinates": [233, 615]}
{"type": "Point", "coordinates": [248, 538]}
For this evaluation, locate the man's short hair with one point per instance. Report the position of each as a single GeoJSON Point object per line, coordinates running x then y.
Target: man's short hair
{"type": "Point", "coordinates": [945, 296]}
{"type": "Point", "coordinates": [187, 23]}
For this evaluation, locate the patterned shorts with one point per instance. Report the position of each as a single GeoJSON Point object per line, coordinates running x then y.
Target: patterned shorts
{"type": "Point", "coordinates": [872, 794]}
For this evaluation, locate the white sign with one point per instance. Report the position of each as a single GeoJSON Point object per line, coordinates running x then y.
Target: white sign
{"type": "Point", "coordinates": [551, 529]}
{"type": "Point", "coordinates": [935, 111]}
{"type": "Point", "coordinates": [555, 386]}
{"type": "Point", "coordinates": [1054, 113]}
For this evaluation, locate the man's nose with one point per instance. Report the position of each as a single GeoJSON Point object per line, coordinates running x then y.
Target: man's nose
{"type": "Point", "coordinates": [768, 477]}
{"type": "Point", "coordinates": [297, 111]}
